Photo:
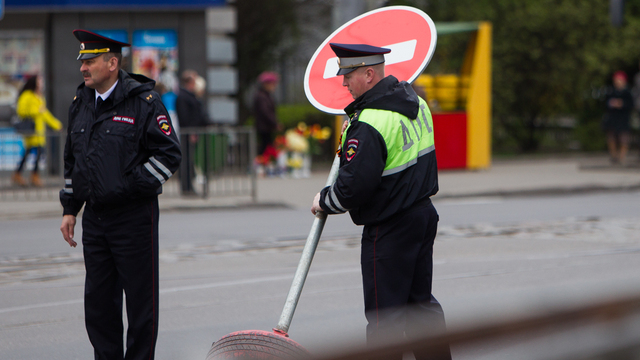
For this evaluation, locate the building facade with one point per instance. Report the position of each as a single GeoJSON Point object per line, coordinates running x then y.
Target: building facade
{"type": "Point", "coordinates": [166, 36]}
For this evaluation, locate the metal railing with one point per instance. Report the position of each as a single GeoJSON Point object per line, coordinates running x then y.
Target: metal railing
{"type": "Point", "coordinates": [223, 162]}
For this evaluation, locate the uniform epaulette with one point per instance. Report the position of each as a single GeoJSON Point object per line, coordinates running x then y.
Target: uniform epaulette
{"type": "Point", "coordinates": [149, 96]}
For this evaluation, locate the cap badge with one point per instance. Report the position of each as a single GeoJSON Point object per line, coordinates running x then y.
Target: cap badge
{"type": "Point", "coordinates": [81, 46]}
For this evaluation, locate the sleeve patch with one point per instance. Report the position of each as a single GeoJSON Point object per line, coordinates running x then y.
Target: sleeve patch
{"type": "Point", "coordinates": [163, 124]}
{"type": "Point", "coordinates": [352, 148]}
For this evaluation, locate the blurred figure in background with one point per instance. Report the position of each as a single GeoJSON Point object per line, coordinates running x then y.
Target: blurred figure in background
{"type": "Point", "coordinates": [201, 86]}
{"type": "Point", "coordinates": [191, 115]}
{"type": "Point", "coordinates": [619, 104]}
{"type": "Point", "coordinates": [31, 104]}
{"type": "Point", "coordinates": [167, 87]}
{"type": "Point", "coordinates": [264, 110]}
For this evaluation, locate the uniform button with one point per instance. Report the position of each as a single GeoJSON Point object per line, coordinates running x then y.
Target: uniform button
{"type": "Point", "coordinates": [108, 131]}
{"type": "Point", "coordinates": [82, 130]}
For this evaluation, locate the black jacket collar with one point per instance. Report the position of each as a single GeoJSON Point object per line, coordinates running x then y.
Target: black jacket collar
{"type": "Point", "coordinates": [388, 94]}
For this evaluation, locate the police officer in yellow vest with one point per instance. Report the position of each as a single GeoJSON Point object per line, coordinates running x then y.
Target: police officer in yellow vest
{"type": "Point", "coordinates": [387, 175]}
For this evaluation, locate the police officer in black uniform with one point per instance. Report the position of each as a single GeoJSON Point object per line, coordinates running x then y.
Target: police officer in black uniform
{"type": "Point", "coordinates": [387, 175]}
{"type": "Point", "coordinates": [120, 149]}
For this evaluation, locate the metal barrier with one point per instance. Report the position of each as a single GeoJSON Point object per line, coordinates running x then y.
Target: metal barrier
{"type": "Point", "coordinates": [223, 164]}
{"type": "Point", "coordinates": [223, 160]}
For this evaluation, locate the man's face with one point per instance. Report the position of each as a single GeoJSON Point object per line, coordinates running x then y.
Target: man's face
{"type": "Point", "coordinates": [96, 73]}
{"type": "Point", "coordinates": [270, 86]}
{"type": "Point", "coordinates": [356, 82]}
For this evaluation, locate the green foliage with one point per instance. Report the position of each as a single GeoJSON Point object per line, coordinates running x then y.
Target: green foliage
{"type": "Point", "coordinates": [290, 115]}
{"type": "Point", "coordinates": [262, 25]}
{"type": "Point", "coordinates": [547, 56]}
{"type": "Point", "coordinates": [590, 136]}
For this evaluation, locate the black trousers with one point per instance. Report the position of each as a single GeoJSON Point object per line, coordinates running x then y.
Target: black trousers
{"type": "Point", "coordinates": [121, 254]}
{"type": "Point", "coordinates": [397, 270]}
{"type": "Point", "coordinates": [265, 138]}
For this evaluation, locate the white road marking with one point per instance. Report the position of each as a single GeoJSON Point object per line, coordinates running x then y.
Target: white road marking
{"type": "Point", "coordinates": [189, 288]}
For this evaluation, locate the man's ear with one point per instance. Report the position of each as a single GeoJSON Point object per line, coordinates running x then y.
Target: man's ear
{"type": "Point", "coordinates": [113, 64]}
{"type": "Point", "coordinates": [369, 74]}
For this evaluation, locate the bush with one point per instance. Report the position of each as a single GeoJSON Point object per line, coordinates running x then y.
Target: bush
{"type": "Point", "coordinates": [590, 136]}
{"type": "Point", "coordinates": [291, 115]}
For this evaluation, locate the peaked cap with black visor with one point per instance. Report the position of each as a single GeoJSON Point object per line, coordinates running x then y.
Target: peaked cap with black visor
{"type": "Point", "coordinates": [93, 45]}
{"type": "Point", "coordinates": [353, 56]}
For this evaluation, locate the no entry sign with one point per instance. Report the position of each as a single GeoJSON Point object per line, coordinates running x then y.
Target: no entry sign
{"type": "Point", "coordinates": [407, 31]}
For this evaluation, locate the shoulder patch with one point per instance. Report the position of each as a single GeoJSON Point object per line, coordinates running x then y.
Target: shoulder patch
{"type": "Point", "coordinates": [163, 124]}
{"type": "Point", "coordinates": [352, 148]}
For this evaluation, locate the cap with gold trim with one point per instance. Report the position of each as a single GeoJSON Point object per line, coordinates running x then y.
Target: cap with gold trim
{"type": "Point", "coordinates": [353, 56]}
{"type": "Point", "coordinates": [92, 44]}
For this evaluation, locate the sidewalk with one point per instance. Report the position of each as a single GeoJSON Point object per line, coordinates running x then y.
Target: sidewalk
{"type": "Point", "coordinates": [518, 177]}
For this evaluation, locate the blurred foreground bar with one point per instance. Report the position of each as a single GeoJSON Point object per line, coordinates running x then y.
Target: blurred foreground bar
{"type": "Point", "coordinates": [605, 330]}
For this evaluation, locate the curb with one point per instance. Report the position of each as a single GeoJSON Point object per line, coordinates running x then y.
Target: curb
{"type": "Point", "coordinates": [575, 190]}
{"type": "Point", "coordinates": [240, 206]}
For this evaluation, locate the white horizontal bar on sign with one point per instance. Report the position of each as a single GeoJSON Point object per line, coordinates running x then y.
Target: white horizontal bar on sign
{"type": "Point", "coordinates": [400, 52]}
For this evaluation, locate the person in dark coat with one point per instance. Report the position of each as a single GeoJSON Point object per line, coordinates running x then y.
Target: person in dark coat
{"type": "Point", "coordinates": [191, 115]}
{"type": "Point", "coordinates": [120, 150]}
{"type": "Point", "coordinates": [388, 173]}
{"type": "Point", "coordinates": [264, 110]}
{"type": "Point", "coordinates": [619, 104]}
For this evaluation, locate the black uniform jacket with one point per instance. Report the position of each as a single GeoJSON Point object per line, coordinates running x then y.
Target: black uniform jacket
{"type": "Point", "coordinates": [361, 188]}
{"type": "Point", "coordinates": [122, 156]}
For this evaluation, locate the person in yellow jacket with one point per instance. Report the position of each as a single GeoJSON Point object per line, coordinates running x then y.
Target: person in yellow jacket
{"type": "Point", "coordinates": [31, 104]}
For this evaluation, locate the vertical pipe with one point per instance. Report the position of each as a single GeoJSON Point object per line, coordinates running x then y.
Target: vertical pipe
{"type": "Point", "coordinates": [305, 260]}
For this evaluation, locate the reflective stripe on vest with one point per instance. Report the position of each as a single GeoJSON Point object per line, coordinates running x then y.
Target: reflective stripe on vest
{"type": "Point", "coordinates": [406, 139]}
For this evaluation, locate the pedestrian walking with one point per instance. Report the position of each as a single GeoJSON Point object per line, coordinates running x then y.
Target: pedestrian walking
{"type": "Point", "coordinates": [264, 110]}
{"type": "Point", "coordinates": [191, 116]}
{"type": "Point", "coordinates": [387, 175]}
{"type": "Point", "coordinates": [31, 106]}
{"type": "Point", "coordinates": [120, 149]}
{"type": "Point", "coordinates": [619, 104]}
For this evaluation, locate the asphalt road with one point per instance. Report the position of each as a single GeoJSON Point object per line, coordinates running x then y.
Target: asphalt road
{"type": "Point", "coordinates": [224, 271]}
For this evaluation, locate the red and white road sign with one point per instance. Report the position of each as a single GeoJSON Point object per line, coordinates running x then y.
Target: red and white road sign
{"type": "Point", "coordinates": [407, 31]}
